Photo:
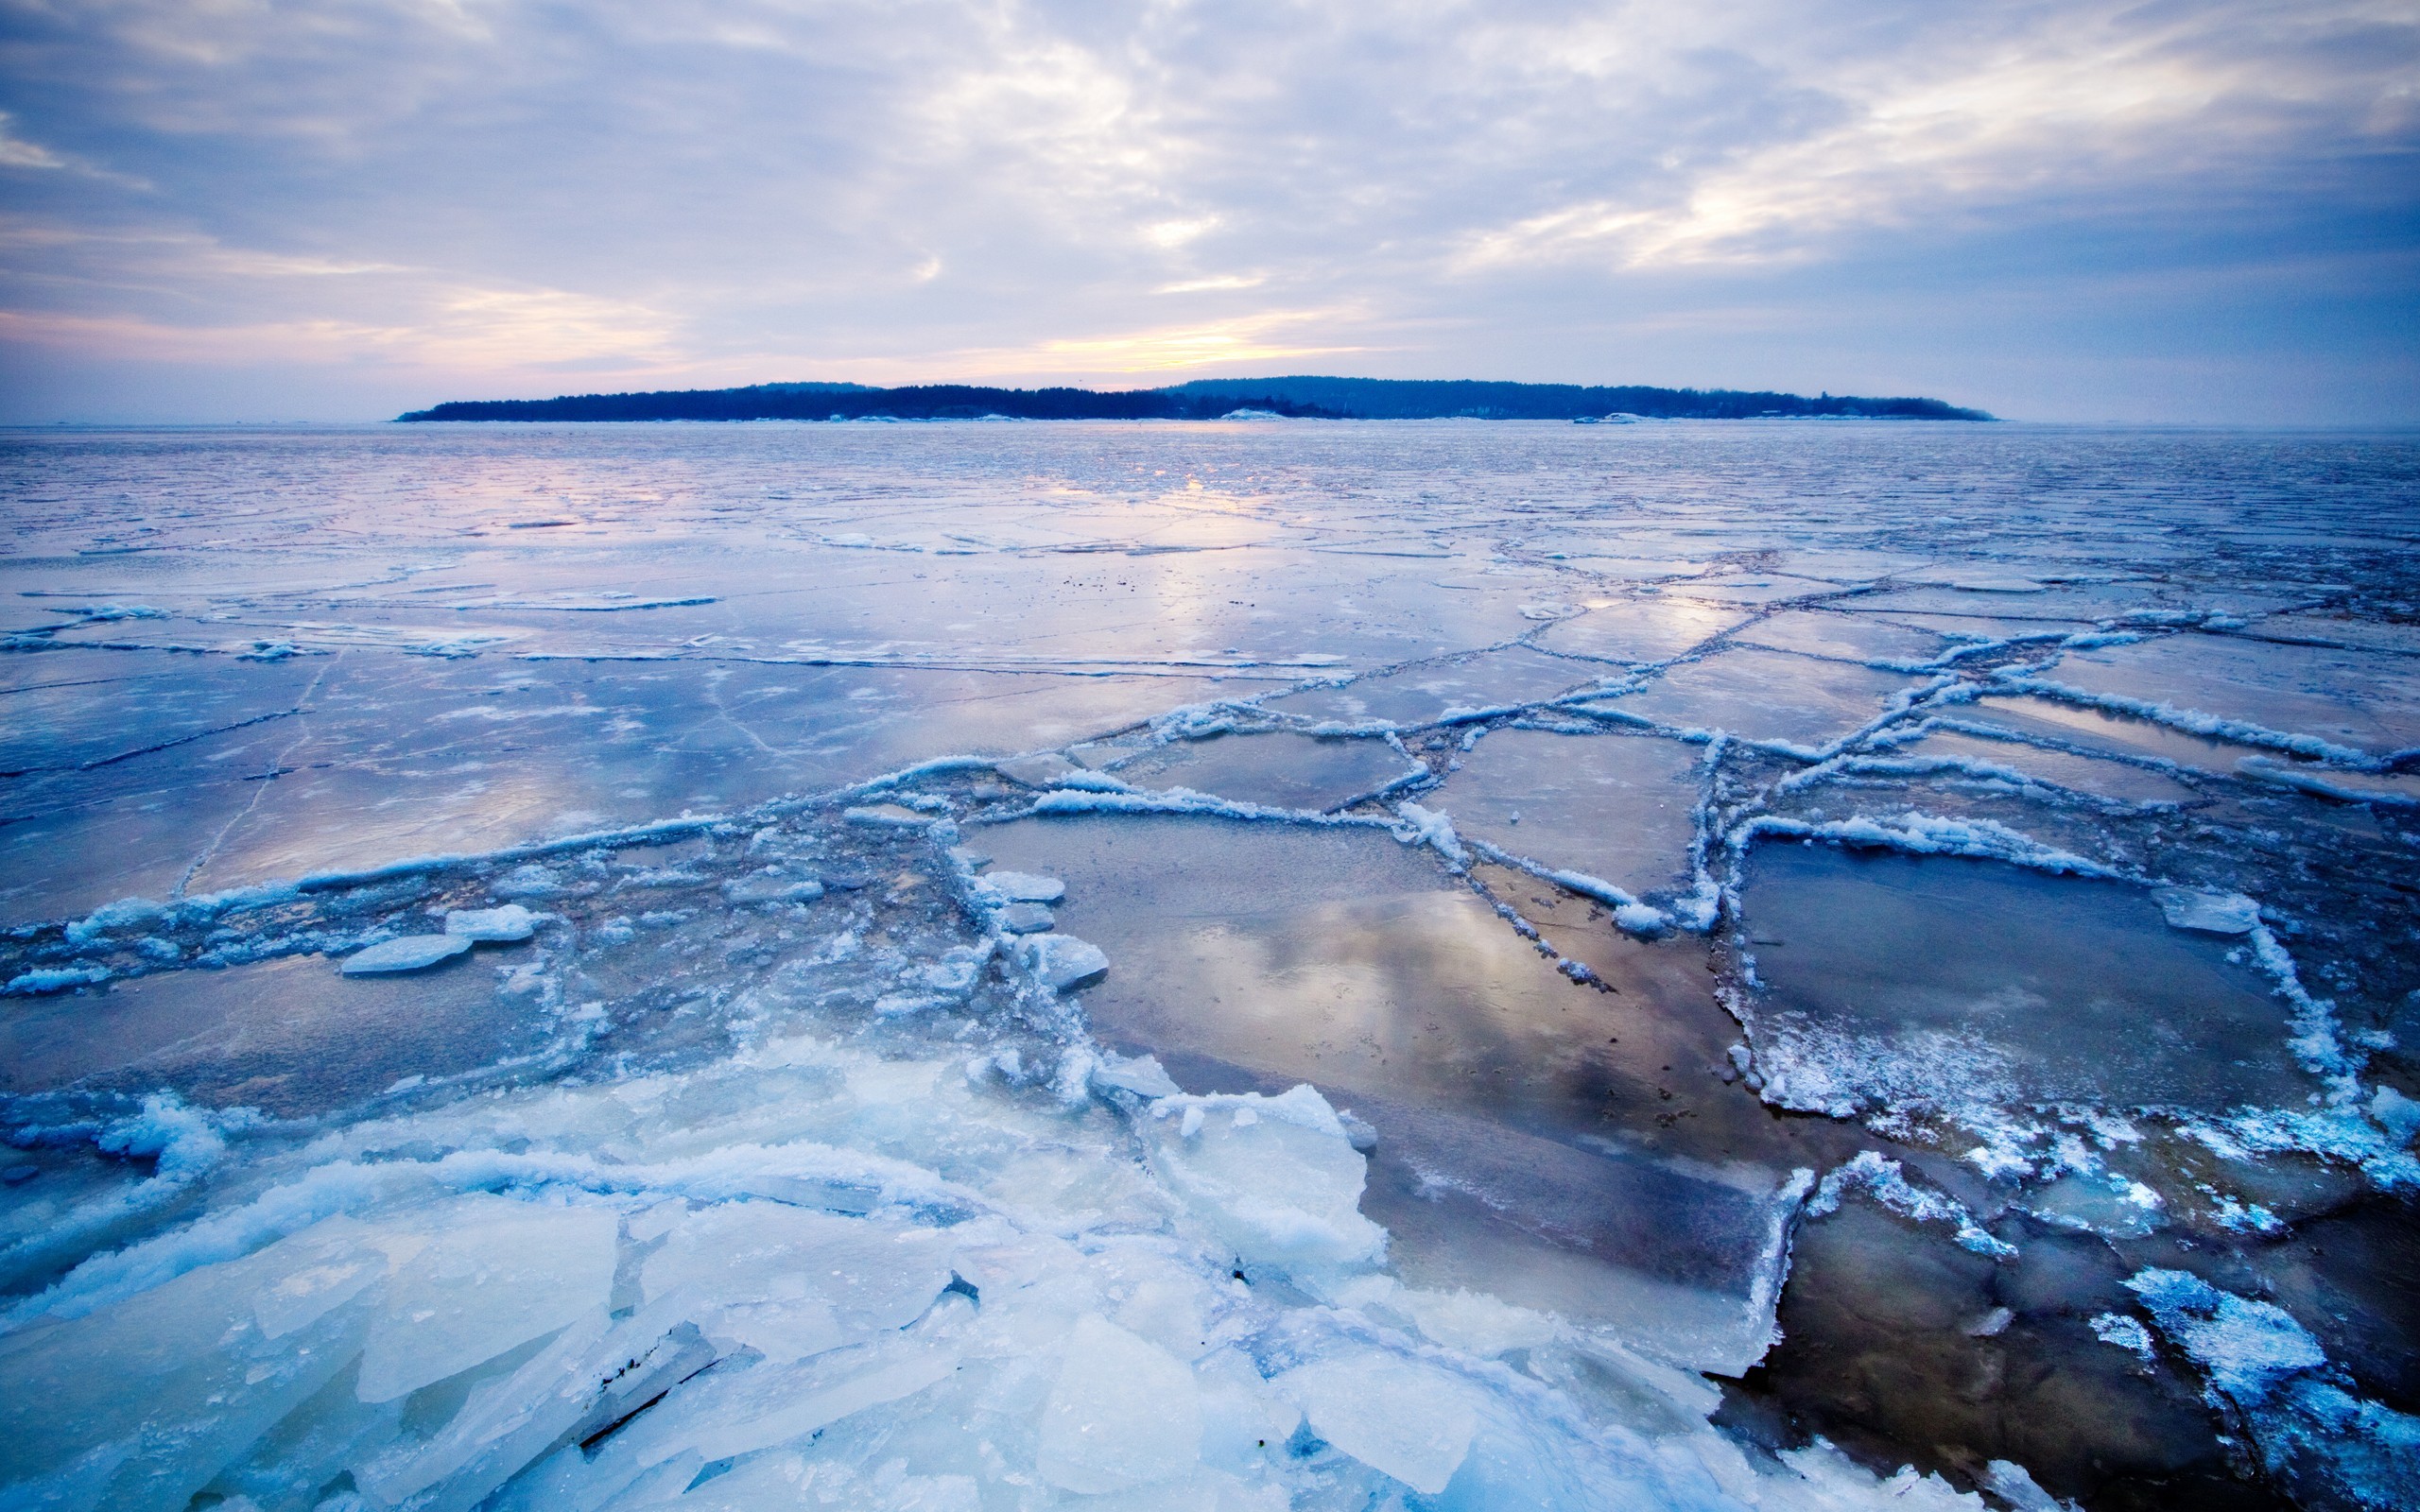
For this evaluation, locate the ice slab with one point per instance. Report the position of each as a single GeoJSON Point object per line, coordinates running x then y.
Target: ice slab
{"type": "Point", "coordinates": [774, 888]}
{"type": "Point", "coordinates": [1898, 980]}
{"type": "Point", "coordinates": [493, 1274]}
{"type": "Point", "coordinates": [1025, 919]}
{"type": "Point", "coordinates": [411, 953]}
{"type": "Point", "coordinates": [2103, 729]}
{"type": "Point", "coordinates": [1276, 770]}
{"type": "Point", "coordinates": [1276, 1179]}
{"type": "Point", "coordinates": [1123, 1413]}
{"type": "Point", "coordinates": [1402, 1421]}
{"type": "Point", "coordinates": [2084, 774]}
{"type": "Point", "coordinates": [1064, 963]}
{"type": "Point", "coordinates": [1041, 770]}
{"type": "Point", "coordinates": [1423, 693]}
{"type": "Point", "coordinates": [509, 923]}
{"type": "Point", "coordinates": [1764, 695]}
{"type": "Point", "coordinates": [2207, 913]}
{"type": "Point", "coordinates": [1024, 887]}
{"type": "Point", "coordinates": [1640, 631]}
{"type": "Point", "coordinates": [1613, 807]}
{"type": "Point", "coordinates": [869, 1275]}
{"type": "Point", "coordinates": [2359, 700]}
{"type": "Point", "coordinates": [1844, 634]}
{"type": "Point", "coordinates": [273, 1034]}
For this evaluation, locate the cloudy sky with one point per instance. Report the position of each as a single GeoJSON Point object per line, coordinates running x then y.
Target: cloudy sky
{"type": "Point", "coordinates": [338, 209]}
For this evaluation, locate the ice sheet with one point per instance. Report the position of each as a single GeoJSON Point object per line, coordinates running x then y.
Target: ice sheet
{"type": "Point", "coordinates": [888, 1217]}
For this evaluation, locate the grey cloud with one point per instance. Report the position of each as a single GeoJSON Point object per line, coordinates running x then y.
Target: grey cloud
{"type": "Point", "coordinates": [491, 196]}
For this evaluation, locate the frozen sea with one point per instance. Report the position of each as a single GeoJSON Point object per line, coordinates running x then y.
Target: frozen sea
{"type": "Point", "coordinates": [1226, 967]}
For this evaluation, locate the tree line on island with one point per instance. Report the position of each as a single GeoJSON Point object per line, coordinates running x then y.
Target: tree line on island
{"type": "Point", "coordinates": [1300, 398]}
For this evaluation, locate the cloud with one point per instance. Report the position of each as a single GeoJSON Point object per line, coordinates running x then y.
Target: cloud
{"type": "Point", "coordinates": [501, 331]}
{"type": "Point", "coordinates": [479, 194]}
{"type": "Point", "coordinates": [16, 152]}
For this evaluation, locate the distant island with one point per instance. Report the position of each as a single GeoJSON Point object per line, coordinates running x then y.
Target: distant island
{"type": "Point", "coordinates": [1301, 398]}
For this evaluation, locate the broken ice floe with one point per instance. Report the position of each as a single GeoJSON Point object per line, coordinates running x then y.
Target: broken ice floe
{"type": "Point", "coordinates": [1062, 962]}
{"type": "Point", "coordinates": [1025, 919]}
{"type": "Point", "coordinates": [1022, 888]}
{"type": "Point", "coordinates": [603, 1330]}
{"type": "Point", "coordinates": [506, 923]}
{"type": "Point", "coordinates": [1883, 1178]}
{"type": "Point", "coordinates": [413, 953]}
{"type": "Point", "coordinates": [1892, 702]}
{"type": "Point", "coordinates": [2317, 1438]}
{"type": "Point", "coordinates": [2207, 913]}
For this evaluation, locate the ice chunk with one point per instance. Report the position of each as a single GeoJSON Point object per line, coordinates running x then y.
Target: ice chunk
{"type": "Point", "coordinates": [1042, 771]}
{"type": "Point", "coordinates": [510, 922]}
{"type": "Point", "coordinates": [1244, 1420]}
{"type": "Point", "coordinates": [2010, 1483]}
{"type": "Point", "coordinates": [955, 973]}
{"type": "Point", "coordinates": [302, 1297]}
{"type": "Point", "coordinates": [2207, 913]}
{"type": "Point", "coordinates": [1476, 1323]}
{"type": "Point", "coordinates": [1026, 918]}
{"type": "Point", "coordinates": [874, 1275]}
{"type": "Point", "coordinates": [1123, 1413]}
{"type": "Point", "coordinates": [593, 1374]}
{"type": "Point", "coordinates": [2244, 1345]}
{"type": "Point", "coordinates": [529, 881]}
{"type": "Point", "coordinates": [496, 1275]}
{"type": "Point", "coordinates": [1276, 1178]}
{"type": "Point", "coordinates": [1401, 1419]}
{"type": "Point", "coordinates": [1063, 962]}
{"type": "Point", "coordinates": [736, 1408]}
{"type": "Point", "coordinates": [2123, 1331]}
{"type": "Point", "coordinates": [773, 888]}
{"type": "Point", "coordinates": [1143, 1076]}
{"type": "Point", "coordinates": [1024, 887]}
{"type": "Point", "coordinates": [413, 953]}
{"type": "Point", "coordinates": [885, 816]}
{"type": "Point", "coordinates": [142, 1402]}
{"type": "Point", "coordinates": [2393, 1112]}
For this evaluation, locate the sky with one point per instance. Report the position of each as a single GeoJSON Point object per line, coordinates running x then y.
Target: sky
{"type": "Point", "coordinates": [330, 210]}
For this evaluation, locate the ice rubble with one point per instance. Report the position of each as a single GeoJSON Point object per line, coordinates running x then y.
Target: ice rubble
{"type": "Point", "coordinates": [2320, 1439]}
{"type": "Point", "coordinates": [625, 1295]}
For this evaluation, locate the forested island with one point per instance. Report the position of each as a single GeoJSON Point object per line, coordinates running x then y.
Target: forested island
{"type": "Point", "coordinates": [1303, 398]}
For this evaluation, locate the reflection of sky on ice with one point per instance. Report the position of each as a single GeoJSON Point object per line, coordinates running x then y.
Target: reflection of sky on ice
{"type": "Point", "coordinates": [1688, 857]}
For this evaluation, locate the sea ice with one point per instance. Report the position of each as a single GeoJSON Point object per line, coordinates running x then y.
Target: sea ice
{"type": "Point", "coordinates": [509, 923]}
{"type": "Point", "coordinates": [1123, 1413]}
{"type": "Point", "coordinates": [1064, 963]}
{"type": "Point", "coordinates": [1023, 888]}
{"type": "Point", "coordinates": [1276, 1179]}
{"type": "Point", "coordinates": [719, 1201]}
{"type": "Point", "coordinates": [1043, 770]}
{"type": "Point", "coordinates": [490, 1274]}
{"type": "Point", "coordinates": [2207, 913]}
{"type": "Point", "coordinates": [413, 953]}
{"type": "Point", "coordinates": [1025, 919]}
{"type": "Point", "coordinates": [773, 887]}
{"type": "Point", "coordinates": [1400, 1419]}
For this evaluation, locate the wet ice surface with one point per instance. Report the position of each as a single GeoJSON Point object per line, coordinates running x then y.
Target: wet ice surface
{"type": "Point", "coordinates": [1208, 966]}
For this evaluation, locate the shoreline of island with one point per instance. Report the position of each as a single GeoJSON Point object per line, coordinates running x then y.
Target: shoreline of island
{"type": "Point", "coordinates": [1288, 398]}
